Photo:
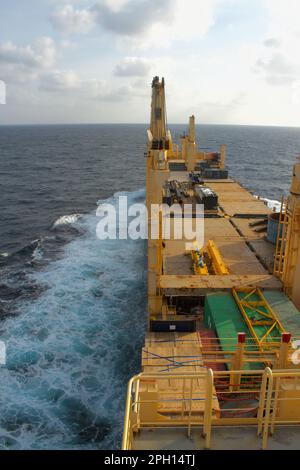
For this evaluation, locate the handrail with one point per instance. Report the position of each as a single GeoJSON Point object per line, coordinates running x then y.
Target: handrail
{"type": "Point", "coordinates": [208, 408]}
{"type": "Point", "coordinates": [264, 385]}
{"type": "Point", "coordinates": [128, 409]}
{"type": "Point", "coordinates": [271, 382]}
{"type": "Point", "coordinates": [269, 376]}
{"type": "Point", "coordinates": [127, 417]}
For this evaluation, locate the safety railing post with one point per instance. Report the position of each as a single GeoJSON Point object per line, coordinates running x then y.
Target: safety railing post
{"type": "Point", "coordinates": [137, 400]}
{"type": "Point", "coordinates": [238, 361]}
{"type": "Point", "coordinates": [183, 398]}
{"type": "Point", "coordinates": [208, 408]}
{"type": "Point", "coordinates": [284, 351]}
{"type": "Point", "coordinates": [262, 399]}
{"type": "Point", "coordinates": [190, 408]}
{"type": "Point", "coordinates": [275, 404]}
{"type": "Point", "coordinates": [127, 432]}
{"type": "Point", "coordinates": [268, 408]}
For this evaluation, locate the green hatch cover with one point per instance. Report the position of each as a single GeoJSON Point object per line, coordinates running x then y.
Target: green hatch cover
{"type": "Point", "coordinates": [222, 314]}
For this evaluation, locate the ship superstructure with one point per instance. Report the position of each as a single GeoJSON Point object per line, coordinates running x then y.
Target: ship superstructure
{"type": "Point", "coordinates": [220, 363]}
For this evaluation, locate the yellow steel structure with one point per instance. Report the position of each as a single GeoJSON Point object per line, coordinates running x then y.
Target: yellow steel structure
{"type": "Point", "coordinates": [257, 313]}
{"type": "Point", "coordinates": [219, 266]}
{"type": "Point", "coordinates": [214, 255]}
{"type": "Point", "coordinates": [157, 172]}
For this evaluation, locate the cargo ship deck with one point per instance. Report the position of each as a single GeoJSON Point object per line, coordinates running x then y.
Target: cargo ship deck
{"type": "Point", "coordinates": [218, 368]}
{"type": "Point", "coordinates": [246, 252]}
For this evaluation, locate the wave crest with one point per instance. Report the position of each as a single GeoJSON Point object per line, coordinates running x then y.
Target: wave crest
{"type": "Point", "coordinates": [67, 219]}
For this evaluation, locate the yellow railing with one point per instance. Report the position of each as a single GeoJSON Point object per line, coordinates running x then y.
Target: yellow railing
{"type": "Point", "coordinates": [264, 398]}
{"type": "Point", "coordinates": [266, 353]}
{"type": "Point", "coordinates": [273, 396]}
{"type": "Point", "coordinates": [134, 403]}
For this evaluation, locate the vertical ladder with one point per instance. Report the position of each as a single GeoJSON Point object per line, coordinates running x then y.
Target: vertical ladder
{"type": "Point", "coordinates": [292, 248]}
{"type": "Point", "coordinates": [280, 251]}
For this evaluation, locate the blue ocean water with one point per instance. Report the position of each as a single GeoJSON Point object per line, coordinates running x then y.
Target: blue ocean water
{"type": "Point", "coordinates": [73, 308]}
{"type": "Point", "coordinates": [71, 351]}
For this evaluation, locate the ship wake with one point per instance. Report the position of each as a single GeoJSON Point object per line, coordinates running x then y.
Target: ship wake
{"type": "Point", "coordinates": [72, 349]}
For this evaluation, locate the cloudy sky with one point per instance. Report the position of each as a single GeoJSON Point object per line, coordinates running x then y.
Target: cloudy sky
{"type": "Point", "coordinates": [86, 61]}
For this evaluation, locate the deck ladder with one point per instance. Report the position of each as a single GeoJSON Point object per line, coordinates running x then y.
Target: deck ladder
{"type": "Point", "coordinates": [281, 241]}
{"type": "Point", "coordinates": [292, 247]}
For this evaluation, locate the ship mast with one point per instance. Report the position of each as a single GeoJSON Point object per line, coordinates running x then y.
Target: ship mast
{"type": "Point", "coordinates": [158, 120]}
{"type": "Point", "coordinates": [159, 145]}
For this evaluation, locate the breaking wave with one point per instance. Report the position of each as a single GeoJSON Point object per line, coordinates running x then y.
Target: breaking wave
{"type": "Point", "coordinates": [72, 349]}
{"type": "Point", "coordinates": [271, 203]}
{"type": "Point", "coordinates": [67, 219]}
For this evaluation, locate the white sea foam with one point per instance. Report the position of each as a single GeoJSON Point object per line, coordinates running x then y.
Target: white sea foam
{"type": "Point", "coordinates": [4, 255]}
{"type": "Point", "coordinates": [37, 253]}
{"type": "Point", "coordinates": [67, 219]}
{"type": "Point", "coordinates": [273, 204]}
{"type": "Point", "coordinates": [71, 352]}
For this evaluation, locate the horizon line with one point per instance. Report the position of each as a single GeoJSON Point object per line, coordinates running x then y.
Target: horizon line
{"type": "Point", "coordinates": [142, 124]}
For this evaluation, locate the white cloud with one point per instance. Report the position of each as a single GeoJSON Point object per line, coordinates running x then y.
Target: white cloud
{"type": "Point", "coordinates": [73, 88]}
{"type": "Point", "coordinates": [119, 17]}
{"type": "Point", "coordinates": [191, 19]}
{"type": "Point", "coordinates": [123, 94]}
{"type": "Point", "coordinates": [115, 5]}
{"type": "Point", "coordinates": [132, 67]}
{"type": "Point", "coordinates": [60, 81]}
{"type": "Point", "coordinates": [206, 49]}
{"type": "Point", "coordinates": [283, 24]}
{"type": "Point", "coordinates": [134, 17]}
{"type": "Point", "coordinates": [152, 22]}
{"type": "Point", "coordinates": [67, 44]}
{"type": "Point", "coordinates": [41, 54]}
{"type": "Point", "coordinates": [22, 64]}
{"type": "Point", "coordinates": [2, 92]}
{"type": "Point", "coordinates": [69, 20]}
{"type": "Point", "coordinates": [277, 70]}
{"type": "Point", "coordinates": [272, 42]}
{"type": "Point", "coordinates": [277, 60]}
{"type": "Point", "coordinates": [283, 14]}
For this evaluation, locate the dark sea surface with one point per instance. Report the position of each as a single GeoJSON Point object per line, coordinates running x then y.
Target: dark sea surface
{"type": "Point", "coordinates": [50, 171]}
{"type": "Point", "coordinates": [72, 308]}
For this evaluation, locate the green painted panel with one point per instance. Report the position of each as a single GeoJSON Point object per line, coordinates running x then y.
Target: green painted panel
{"type": "Point", "coordinates": [222, 314]}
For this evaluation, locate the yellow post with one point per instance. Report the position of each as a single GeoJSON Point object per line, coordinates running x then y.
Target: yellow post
{"type": "Point", "coordinates": [223, 157]}
{"type": "Point", "coordinates": [184, 142]}
{"type": "Point", "coordinates": [283, 358]}
{"type": "Point", "coordinates": [282, 363]}
{"type": "Point", "coordinates": [208, 408]}
{"type": "Point", "coordinates": [190, 146]}
{"type": "Point", "coordinates": [268, 407]}
{"type": "Point", "coordinates": [275, 405]}
{"type": "Point", "coordinates": [261, 406]}
{"type": "Point", "coordinates": [192, 129]}
{"type": "Point", "coordinates": [128, 432]}
{"type": "Point", "coordinates": [190, 407]}
{"type": "Point", "coordinates": [237, 363]}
